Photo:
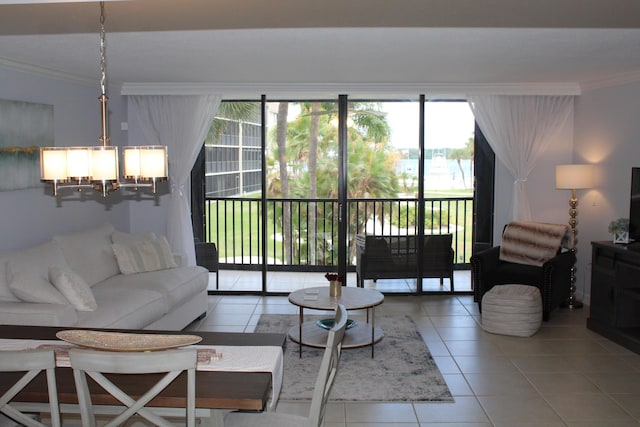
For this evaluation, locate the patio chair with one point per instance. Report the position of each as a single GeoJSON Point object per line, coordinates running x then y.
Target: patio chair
{"type": "Point", "coordinates": [324, 381]}
{"type": "Point", "coordinates": [207, 257]}
{"type": "Point", "coordinates": [438, 257]}
{"type": "Point", "coordinates": [32, 362]}
{"type": "Point", "coordinates": [96, 363]}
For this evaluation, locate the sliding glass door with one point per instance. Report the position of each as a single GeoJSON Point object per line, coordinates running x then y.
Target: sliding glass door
{"type": "Point", "coordinates": [290, 184]}
{"type": "Point", "coordinates": [302, 149]}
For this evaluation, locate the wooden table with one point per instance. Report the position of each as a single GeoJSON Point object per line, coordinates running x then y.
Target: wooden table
{"type": "Point", "coordinates": [214, 390]}
{"type": "Point", "coordinates": [318, 298]}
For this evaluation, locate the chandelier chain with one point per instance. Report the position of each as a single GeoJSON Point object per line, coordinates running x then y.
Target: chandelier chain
{"type": "Point", "coordinates": [103, 49]}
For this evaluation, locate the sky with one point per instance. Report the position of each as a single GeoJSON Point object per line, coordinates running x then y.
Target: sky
{"type": "Point", "coordinates": [448, 124]}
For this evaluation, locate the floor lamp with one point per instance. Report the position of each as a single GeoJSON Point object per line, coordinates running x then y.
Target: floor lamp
{"type": "Point", "coordinates": [573, 177]}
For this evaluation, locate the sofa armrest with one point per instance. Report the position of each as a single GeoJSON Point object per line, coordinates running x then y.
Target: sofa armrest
{"type": "Point", "coordinates": [488, 259]}
{"type": "Point", "coordinates": [481, 263]}
{"type": "Point", "coordinates": [564, 260]}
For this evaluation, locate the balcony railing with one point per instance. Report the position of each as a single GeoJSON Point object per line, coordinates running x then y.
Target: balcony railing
{"type": "Point", "coordinates": [302, 233]}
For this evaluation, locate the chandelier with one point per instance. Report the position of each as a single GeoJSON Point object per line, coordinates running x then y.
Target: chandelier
{"type": "Point", "coordinates": [97, 167]}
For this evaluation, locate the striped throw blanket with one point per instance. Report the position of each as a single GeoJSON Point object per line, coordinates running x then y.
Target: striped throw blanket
{"type": "Point", "coordinates": [532, 243]}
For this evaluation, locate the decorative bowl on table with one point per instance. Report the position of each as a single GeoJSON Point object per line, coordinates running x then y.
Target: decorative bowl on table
{"type": "Point", "coordinates": [328, 323]}
{"type": "Point", "coordinates": [118, 341]}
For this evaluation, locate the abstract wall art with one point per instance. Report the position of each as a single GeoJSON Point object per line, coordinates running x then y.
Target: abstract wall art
{"type": "Point", "coordinates": [24, 127]}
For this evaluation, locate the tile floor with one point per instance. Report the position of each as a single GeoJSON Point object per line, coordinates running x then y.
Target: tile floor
{"type": "Point", "coordinates": [280, 281]}
{"type": "Point", "coordinates": [565, 375]}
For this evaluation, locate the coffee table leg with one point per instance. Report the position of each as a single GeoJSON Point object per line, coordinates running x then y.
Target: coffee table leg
{"type": "Point", "coordinates": [300, 320]}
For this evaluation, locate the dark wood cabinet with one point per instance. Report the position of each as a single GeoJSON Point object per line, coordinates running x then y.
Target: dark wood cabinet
{"type": "Point", "coordinates": [615, 293]}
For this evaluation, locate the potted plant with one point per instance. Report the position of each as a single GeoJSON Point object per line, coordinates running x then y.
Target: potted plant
{"type": "Point", "coordinates": [620, 230]}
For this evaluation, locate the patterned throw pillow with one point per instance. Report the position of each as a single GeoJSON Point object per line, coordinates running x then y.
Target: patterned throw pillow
{"type": "Point", "coordinates": [145, 255]}
{"type": "Point", "coordinates": [73, 287]}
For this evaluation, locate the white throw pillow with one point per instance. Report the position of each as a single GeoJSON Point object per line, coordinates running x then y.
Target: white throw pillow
{"type": "Point", "coordinates": [5, 293]}
{"type": "Point", "coordinates": [29, 274]}
{"type": "Point", "coordinates": [37, 291]}
{"type": "Point", "coordinates": [146, 255]}
{"type": "Point", "coordinates": [73, 287]}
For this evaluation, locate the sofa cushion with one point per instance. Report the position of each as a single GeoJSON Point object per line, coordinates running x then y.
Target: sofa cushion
{"type": "Point", "coordinates": [29, 274]}
{"type": "Point", "coordinates": [25, 313]}
{"type": "Point", "coordinates": [176, 285]}
{"type": "Point", "coordinates": [129, 238]}
{"type": "Point", "coordinates": [144, 255]}
{"type": "Point", "coordinates": [122, 307]}
{"type": "Point", "coordinates": [89, 253]}
{"type": "Point", "coordinates": [5, 292]}
{"type": "Point", "coordinates": [74, 288]}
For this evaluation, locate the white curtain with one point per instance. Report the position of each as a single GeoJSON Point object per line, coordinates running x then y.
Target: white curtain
{"type": "Point", "coordinates": [181, 123]}
{"type": "Point", "coordinates": [519, 128]}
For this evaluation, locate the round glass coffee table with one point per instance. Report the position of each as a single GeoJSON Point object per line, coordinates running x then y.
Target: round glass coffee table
{"type": "Point", "coordinates": [357, 335]}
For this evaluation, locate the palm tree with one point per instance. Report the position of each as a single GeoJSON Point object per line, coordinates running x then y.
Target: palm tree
{"type": "Point", "coordinates": [459, 154]}
{"type": "Point", "coordinates": [312, 141]}
{"type": "Point", "coordinates": [230, 112]}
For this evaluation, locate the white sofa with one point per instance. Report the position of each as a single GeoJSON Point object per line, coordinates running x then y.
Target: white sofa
{"type": "Point", "coordinates": [75, 280]}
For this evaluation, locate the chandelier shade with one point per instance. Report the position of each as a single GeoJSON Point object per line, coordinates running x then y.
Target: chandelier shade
{"type": "Point", "coordinates": [97, 166]}
{"type": "Point", "coordinates": [145, 163]}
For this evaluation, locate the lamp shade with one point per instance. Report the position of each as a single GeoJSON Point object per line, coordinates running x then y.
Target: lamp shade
{"type": "Point", "coordinates": [145, 162]}
{"type": "Point", "coordinates": [53, 164]}
{"type": "Point", "coordinates": [573, 177]}
{"type": "Point", "coordinates": [104, 163]}
{"type": "Point", "coordinates": [153, 162]}
{"type": "Point", "coordinates": [131, 162]}
{"type": "Point", "coordinates": [78, 163]}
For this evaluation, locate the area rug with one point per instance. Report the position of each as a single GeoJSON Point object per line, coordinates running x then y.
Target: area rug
{"type": "Point", "coordinates": [402, 370]}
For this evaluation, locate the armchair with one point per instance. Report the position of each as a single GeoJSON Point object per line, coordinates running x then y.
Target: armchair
{"type": "Point", "coordinates": [551, 276]}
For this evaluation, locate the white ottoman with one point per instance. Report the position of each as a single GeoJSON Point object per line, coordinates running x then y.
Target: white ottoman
{"type": "Point", "coordinates": [512, 310]}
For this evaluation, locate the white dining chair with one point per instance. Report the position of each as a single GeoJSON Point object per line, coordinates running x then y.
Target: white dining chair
{"type": "Point", "coordinates": [324, 381]}
{"type": "Point", "coordinates": [32, 362]}
{"type": "Point", "coordinates": [96, 363]}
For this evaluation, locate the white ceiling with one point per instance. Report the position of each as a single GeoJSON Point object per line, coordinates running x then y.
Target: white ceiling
{"type": "Point", "coordinates": [260, 46]}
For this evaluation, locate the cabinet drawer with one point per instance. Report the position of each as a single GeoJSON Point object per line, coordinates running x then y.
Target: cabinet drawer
{"type": "Point", "coordinates": [603, 259]}
{"type": "Point", "coordinates": [628, 275]}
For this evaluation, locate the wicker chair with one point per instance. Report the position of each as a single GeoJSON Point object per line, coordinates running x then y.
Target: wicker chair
{"type": "Point", "coordinates": [394, 257]}
{"type": "Point", "coordinates": [207, 257]}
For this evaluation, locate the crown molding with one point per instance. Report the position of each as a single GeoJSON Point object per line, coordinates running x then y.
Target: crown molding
{"type": "Point", "coordinates": [241, 90]}
{"type": "Point", "coordinates": [618, 80]}
{"type": "Point", "coordinates": [53, 74]}
{"type": "Point", "coordinates": [395, 90]}
{"type": "Point", "coordinates": [44, 72]}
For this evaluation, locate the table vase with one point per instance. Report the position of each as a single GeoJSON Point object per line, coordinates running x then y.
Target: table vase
{"type": "Point", "coordinates": [335, 288]}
